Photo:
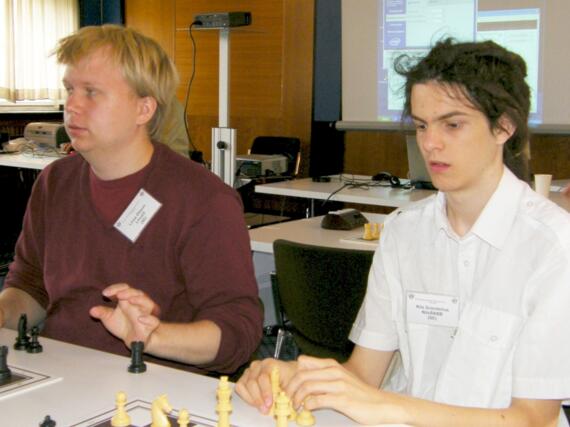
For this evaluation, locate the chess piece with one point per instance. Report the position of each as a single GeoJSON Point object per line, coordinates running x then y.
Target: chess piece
{"type": "Point", "coordinates": [121, 418]}
{"type": "Point", "coordinates": [183, 418]}
{"type": "Point", "coordinates": [224, 405]}
{"type": "Point", "coordinates": [305, 418]}
{"type": "Point", "coordinates": [5, 372]}
{"type": "Point", "coordinates": [282, 409]}
{"type": "Point", "coordinates": [22, 340]}
{"type": "Point", "coordinates": [292, 411]}
{"type": "Point", "coordinates": [34, 346]}
{"type": "Point", "coordinates": [275, 388]}
{"type": "Point", "coordinates": [137, 365]}
{"type": "Point", "coordinates": [160, 407]}
{"type": "Point", "coordinates": [47, 422]}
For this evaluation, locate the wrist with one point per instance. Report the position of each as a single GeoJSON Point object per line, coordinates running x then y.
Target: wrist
{"type": "Point", "coordinates": [153, 339]}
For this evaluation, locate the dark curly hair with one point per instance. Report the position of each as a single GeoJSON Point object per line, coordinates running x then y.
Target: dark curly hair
{"type": "Point", "coordinates": [489, 76]}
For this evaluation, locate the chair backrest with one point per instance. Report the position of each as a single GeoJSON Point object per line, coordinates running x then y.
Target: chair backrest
{"type": "Point", "coordinates": [320, 291]}
{"type": "Point", "coordinates": [287, 146]}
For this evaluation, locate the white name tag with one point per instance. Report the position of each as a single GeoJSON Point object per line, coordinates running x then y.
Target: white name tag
{"type": "Point", "coordinates": [137, 215]}
{"type": "Point", "coordinates": [432, 309]}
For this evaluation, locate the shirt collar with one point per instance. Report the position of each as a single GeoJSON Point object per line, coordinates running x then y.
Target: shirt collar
{"type": "Point", "coordinates": [495, 221]}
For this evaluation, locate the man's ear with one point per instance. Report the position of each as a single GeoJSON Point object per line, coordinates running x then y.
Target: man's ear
{"type": "Point", "coordinates": [147, 107]}
{"type": "Point", "coordinates": [504, 129]}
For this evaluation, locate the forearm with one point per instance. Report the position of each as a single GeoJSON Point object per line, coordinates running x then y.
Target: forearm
{"type": "Point", "coordinates": [14, 302]}
{"type": "Point", "coordinates": [522, 413]}
{"type": "Point", "coordinates": [371, 366]}
{"type": "Point", "coordinates": [194, 343]}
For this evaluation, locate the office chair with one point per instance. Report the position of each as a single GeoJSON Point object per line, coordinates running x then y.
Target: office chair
{"type": "Point", "coordinates": [318, 291]}
{"type": "Point", "coordinates": [290, 147]}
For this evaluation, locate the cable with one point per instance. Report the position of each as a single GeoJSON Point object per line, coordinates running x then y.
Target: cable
{"type": "Point", "coordinates": [333, 193]}
{"type": "Point", "coordinates": [187, 98]}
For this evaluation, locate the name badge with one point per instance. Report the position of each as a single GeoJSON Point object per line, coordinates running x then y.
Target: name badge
{"type": "Point", "coordinates": [137, 215]}
{"type": "Point", "coordinates": [432, 309]}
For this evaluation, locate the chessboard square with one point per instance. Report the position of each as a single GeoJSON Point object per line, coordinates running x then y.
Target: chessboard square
{"type": "Point", "coordinates": [30, 380]}
{"type": "Point", "coordinates": [14, 378]}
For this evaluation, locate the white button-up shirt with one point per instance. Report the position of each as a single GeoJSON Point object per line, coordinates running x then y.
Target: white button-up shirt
{"type": "Point", "coordinates": [511, 274]}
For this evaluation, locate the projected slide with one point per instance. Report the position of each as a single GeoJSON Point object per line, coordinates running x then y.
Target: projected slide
{"type": "Point", "coordinates": [412, 26]}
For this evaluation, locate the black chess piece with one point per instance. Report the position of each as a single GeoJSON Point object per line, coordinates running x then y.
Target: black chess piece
{"type": "Point", "coordinates": [137, 365]}
{"type": "Point", "coordinates": [5, 372]}
{"type": "Point", "coordinates": [47, 422]}
{"type": "Point", "coordinates": [34, 346]}
{"type": "Point", "coordinates": [22, 340]}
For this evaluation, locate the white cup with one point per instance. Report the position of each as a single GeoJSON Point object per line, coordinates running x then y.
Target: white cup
{"type": "Point", "coordinates": [542, 184]}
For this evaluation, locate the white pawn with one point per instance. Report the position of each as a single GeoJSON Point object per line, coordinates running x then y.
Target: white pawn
{"type": "Point", "coordinates": [305, 418]}
{"type": "Point", "coordinates": [224, 406]}
{"type": "Point", "coordinates": [275, 388]}
{"type": "Point", "coordinates": [183, 418]}
{"type": "Point", "coordinates": [121, 418]}
{"type": "Point", "coordinates": [282, 409]}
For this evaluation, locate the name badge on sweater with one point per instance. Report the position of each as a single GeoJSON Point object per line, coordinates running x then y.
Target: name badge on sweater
{"type": "Point", "coordinates": [432, 309]}
{"type": "Point", "coordinates": [137, 215]}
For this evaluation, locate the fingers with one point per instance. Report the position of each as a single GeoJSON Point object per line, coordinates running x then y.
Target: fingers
{"type": "Point", "coordinates": [111, 290]}
{"type": "Point", "coordinates": [255, 384]}
{"type": "Point", "coordinates": [101, 312]}
{"type": "Point", "coordinates": [308, 362]}
{"type": "Point", "coordinates": [151, 322]}
{"type": "Point", "coordinates": [316, 376]}
{"type": "Point", "coordinates": [124, 292]}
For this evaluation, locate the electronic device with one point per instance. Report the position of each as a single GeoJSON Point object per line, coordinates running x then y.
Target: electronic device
{"type": "Point", "coordinates": [344, 219]}
{"type": "Point", "coordinates": [47, 133]}
{"type": "Point", "coordinates": [254, 165]}
{"type": "Point", "coordinates": [417, 170]}
{"type": "Point", "coordinates": [222, 20]}
{"type": "Point", "coordinates": [394, 181]}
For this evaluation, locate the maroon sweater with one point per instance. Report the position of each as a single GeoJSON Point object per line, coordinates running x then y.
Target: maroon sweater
{"type": "Point", "coordinates": [193, 258]}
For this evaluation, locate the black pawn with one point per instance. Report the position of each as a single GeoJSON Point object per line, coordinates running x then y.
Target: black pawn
{"type": "Point", "coordinates": [47, 422]}
{"type": "Point", "coordinates": [35, 346]}
{"type": "Point", "coordinates": [5, 373]}
{"type": "Point", "coordinates": [22, 341]}
{"type": "Point", "coordinates": [137, 365]}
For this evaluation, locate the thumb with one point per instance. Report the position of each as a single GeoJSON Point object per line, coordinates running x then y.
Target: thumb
{"type": "Point", "coordinates": [150, 321]}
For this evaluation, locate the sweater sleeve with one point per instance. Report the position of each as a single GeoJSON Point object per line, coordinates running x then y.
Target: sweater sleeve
{"type": "Point", "coordinates": [26, 271]}
{"type": "Point", "coordinates": [218, 271]}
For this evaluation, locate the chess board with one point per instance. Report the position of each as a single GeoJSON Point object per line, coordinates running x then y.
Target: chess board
{"type": "Point", "coordinates": [24, 380]}
{"type": "Point", "coordinates": [139, 412]}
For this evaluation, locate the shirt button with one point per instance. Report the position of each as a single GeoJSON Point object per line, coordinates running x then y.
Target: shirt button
{"type": "Point", "coordinates": [466, 263]}
{"type": "Point", "coordinates": [494, 338]}
{"type": "Point", "coordinates": [529, 204]}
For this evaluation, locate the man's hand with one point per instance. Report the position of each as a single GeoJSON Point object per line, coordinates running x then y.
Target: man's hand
{"type": "Point", "coordinates": [134, 318]}
{"type": "Point", "coordinates": [1, 317]}
{"type": "Point", "coordinates": [566, 191]}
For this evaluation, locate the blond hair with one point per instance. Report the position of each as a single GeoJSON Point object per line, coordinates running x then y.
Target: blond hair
{"type": "Point", "coordinates": [145, 65]}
